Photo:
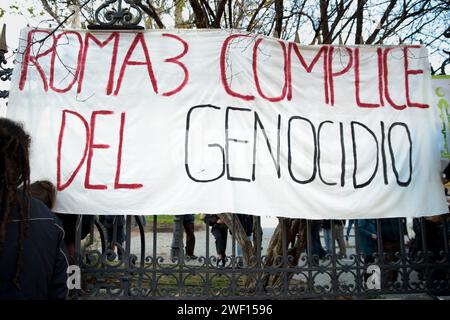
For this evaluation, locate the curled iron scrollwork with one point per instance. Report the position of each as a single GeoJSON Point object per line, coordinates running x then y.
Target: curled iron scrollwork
{"type": "Point", "coordinates": [113, 14]}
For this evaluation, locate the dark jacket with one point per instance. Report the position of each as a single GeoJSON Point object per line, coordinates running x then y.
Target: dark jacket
{"type": "Point", "coordinates": [211, 220]}
{"type": "Point", "coordinates": [367, 227]}
{"type": "Point", "coordinates": [109, 220]}
{"type": "Point", "coordinates": [188, 218]}
{"type": "Point", "coordinates": [69, 224]}
{"type": "Point", "coordinates": [44, 262]}
{"type": "Point", "coordinates": [390, 229]}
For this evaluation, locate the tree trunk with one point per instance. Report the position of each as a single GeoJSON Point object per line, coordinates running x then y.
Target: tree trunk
{"type": "Point", "coordinates": [200, 18]}
{"type": "Point", "coordinates": [239, 233]}
{"type": "Point", "coordinates": [278, 17]}
{"type": "Point", "coordinates": [324, 21]}
{"type": "Point", "coordinates": [295, 245]}
{"type": "Point", "coordinates": [359, 22]}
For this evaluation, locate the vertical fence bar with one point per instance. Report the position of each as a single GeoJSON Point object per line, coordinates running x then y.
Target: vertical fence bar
{"type": "Point", "coordinates": [114, 237]}
{"type": "Point", "coordinates": [181, 255]}
{"type": "Point", "coordinates": [359, 281]}
{"type": "Point", "coordinates": [233, 254]}
{"type": "Point", "coordinates": [380, 255]}
{"type": "Point", "coordinates": [258, 262]}
{"type": "Point", "coordinates": [91, 231]}
{"type": "Point", "coordinates": [128, 241]}
{"type": "Point", "coordinates": [426, 272]}
{"type": "Point", "coordinates": [310, 258]}
{"type": "Point", "coordinates": [284, 257]}
{"type": "Point", "coordinates": [208, 260]}
{"type": "Point", "coordinates": [334, 280]}
{"type": "Point", "coordinates": [155, 257]}
{"type": "Point", "coordinates": [127, 277]}
{"type": "Point", "coordinates": [233, 241]}
{"type": "Point", "coordinates": [78, 253]}
{"type": "Point", "coordinates": [405, 274]}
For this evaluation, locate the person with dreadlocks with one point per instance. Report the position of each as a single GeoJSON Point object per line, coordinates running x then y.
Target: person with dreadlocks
{"type": "Point", "coordinates": [33, 264]}
{"type": "Point", "coordinates": [46, 192]}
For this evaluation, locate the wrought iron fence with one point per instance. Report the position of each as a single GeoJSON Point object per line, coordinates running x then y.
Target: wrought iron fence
{"type": "Point", "coordinates": [142, 268]}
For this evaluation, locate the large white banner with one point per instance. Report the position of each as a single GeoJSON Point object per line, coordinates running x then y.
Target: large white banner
{"type": "Point", "coordinates": [189, 121]}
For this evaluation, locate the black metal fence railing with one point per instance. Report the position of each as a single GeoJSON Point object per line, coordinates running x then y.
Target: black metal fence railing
{"type": "Point", "coordinates": [139, 265]}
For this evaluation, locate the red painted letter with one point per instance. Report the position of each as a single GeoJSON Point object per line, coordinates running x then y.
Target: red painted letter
{"type": "Point", "coordinates": [60, 186]}
{"type": "Point", "coordinates": [176, 61]}
{"type": "Point", "coordinates": [117, 184]}
{"type": "Point", "coordinates": [255, 72]}
{"type": "Point", "coordinates": [386, 82]}
{"type": "Point", "coordinates": [31, 59]}
{"type": "Point", "coordinates": [52, 63]}
{"type": "Point", "coordinates": [357, 85]}
{"type": "Point", "coordinates": [223, 71]}
{"type": "Point", "coordinates": [138, 39]}
{"type": "Point", "coordinates": [309, 68]}
{"type": "Point", "coordinates": [101, 44]}
{"type": "Point", "coordinates": [411, 72]}
{"type": "Point", "coordinates": [332, 74]}
{"type": "Point", "coordinates": [93, 146]}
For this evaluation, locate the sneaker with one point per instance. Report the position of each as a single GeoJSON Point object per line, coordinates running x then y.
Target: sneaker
{"type": "Point", "coordinates": [192, 257]}
{"type": "Point", "coordinates": [220, 263]}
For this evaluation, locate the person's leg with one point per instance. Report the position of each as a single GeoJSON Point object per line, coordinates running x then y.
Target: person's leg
{"type": "Point", "coordinates": [219, 242]}
{"type": "Point", "coordinates": [349, 228]}
{"type": "Point", "coordinates": [390, 248]}
{"type": "Point", "coordinates": [328, 240]}
{"type": "Point", "coordinates": [340, 239]}
{"type": "Point", "coordinates": [223, 245]}
{"type": "Point", "coordinates": [316, 245]}
{"type": "Point", "coordinates": [190, 238]}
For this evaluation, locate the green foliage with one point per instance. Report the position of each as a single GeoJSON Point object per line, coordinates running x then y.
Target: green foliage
{"type": "Point", "coordinates": [168, 219]}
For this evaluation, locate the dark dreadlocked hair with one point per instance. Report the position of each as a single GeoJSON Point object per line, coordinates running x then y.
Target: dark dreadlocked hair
{"type": "Point", "coordinates": [14, 173]}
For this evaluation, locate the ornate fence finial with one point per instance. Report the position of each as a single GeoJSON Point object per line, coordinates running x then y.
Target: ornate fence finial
{"type": "Point", "coordinates": [112, 15]}
{"type": "Point", "coordinates": [5, 73]}
{"type": "Point", "coordinates": [3, 46]}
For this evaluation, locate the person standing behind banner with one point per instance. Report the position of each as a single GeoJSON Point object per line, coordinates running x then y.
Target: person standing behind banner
{"type": "Point", "coordinates": [220, 232]}
{"type": "Point", "coordinates": [367, 241]}
{"type": "Point", "coordinates": [33, 264]}
{"type": "Point", "coordinates": [46, 192]}
{"type": "Point", "coordinates": [349, 228]}
{"type": "Point", "coordinates": [108, 222]}
{"type": "Point", "coordinates": [189, 227]}
{"type": "Point", "coordinates": [332, 235]}
{"type": "Point", "coordinates": [339, 236]}
{"type": "Point", "coordinates": [391, 237]}
{"type": "Point", "coordinates": [317, 251]}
